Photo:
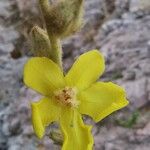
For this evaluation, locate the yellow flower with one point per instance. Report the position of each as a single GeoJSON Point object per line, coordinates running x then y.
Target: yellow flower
{"type": "Point", "coordinates": [67, 97]}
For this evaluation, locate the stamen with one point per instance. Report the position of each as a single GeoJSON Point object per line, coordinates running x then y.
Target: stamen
{"type": "Point", "coordinates": [67, 96]}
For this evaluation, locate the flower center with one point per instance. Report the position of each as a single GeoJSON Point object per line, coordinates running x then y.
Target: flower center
{"type": "Point", "coordinates": [67, 96]}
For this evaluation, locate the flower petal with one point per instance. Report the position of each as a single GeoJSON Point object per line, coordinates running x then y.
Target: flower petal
{"type": "Point", "coordinates": [77, 136]}
{"type": "Point", "coordinates": [86, 70]}
{"type": "Point", "coordinates": [101, 99]}
{"type": "Point", "coordinates": [43, 113]}
{"type": "Point", "coordinates": [43, 75]}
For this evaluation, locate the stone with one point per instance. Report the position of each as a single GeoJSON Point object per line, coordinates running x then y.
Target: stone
{"type": "Point", "coordinates": [5, 129]}
{"type": "Point", "coordinates": [136, 5]}
{"type": "Point", "coordinates": [130, 75]}
{"type": "Point", "coordinates": [15, 127]}
{"type": "Point", "coordinates": [14, 147]}
{"type": "Point", "coordinates": [144, 131]}
{"type": "Point", "coordinates": [3, 142]}
{"type": "Point", "coordinates": [137, 92]}
{"type": "Point", "coordinates": [28, 130]}
{"type": "Point", "coordinates": [3, 7]}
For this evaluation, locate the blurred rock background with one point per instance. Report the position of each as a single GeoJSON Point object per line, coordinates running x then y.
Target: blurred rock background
{"type": "Point", "coordinates": [120, 29]}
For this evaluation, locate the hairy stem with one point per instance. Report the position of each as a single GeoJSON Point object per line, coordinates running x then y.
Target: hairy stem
{"type": "Point", "coordinates": [56, 50]}
{"type": "Point", "coordinates": [56, 47]}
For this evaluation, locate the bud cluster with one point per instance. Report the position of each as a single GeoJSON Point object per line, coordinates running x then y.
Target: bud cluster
{"type": "Point", "coordinates": [62, 18]}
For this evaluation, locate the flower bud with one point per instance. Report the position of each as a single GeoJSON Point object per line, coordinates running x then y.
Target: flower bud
{"type": "Point", "coordinates": [62, 18]}
{"type": "Point", "coordinates": [41, 46]}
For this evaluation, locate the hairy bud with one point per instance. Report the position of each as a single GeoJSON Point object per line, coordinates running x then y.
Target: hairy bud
{"type": "Point", "coordinates": [62, 18]}
{"type": "Point", "coordinates": [41, 46]}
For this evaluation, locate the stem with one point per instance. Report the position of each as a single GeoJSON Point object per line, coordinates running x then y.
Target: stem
{"type": "Point", "coordinates": [56, 47]}
{"type": "Point", "coordinates": [44, 4]}
{"type": "Point", "coordinates": [56, 50]}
